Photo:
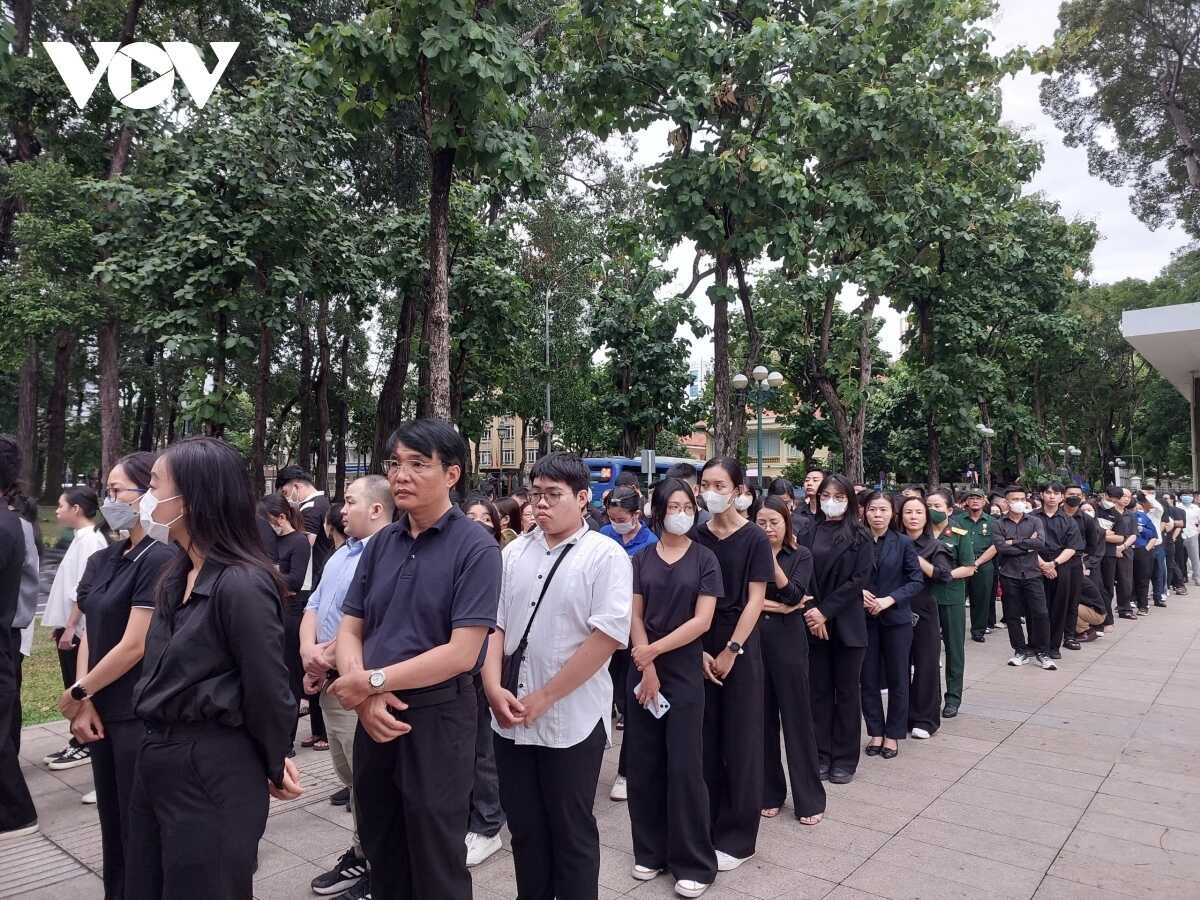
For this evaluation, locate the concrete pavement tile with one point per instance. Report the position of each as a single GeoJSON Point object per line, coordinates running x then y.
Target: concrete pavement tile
{"type": "Point", "coordinates": [497, 874]}
{"type": "Point", "coordinates": [273, 859]}
{"type": "Point", "coordinates": [1121, 827]}
{"type": "Point", "coordinates": [1056, 740]}
{"type": "Point", "coordinates": [1069, 700]}
{"type": "Point", "coordinates": [663, 887]}
{"type": "Point", "coordinates": [887, 796]}
{"type": "Point", "coordinates": [897, 882]}
{"type": "Point", "coordinates": [1137, 857]}
{"type": "Point", "coordinates": [974, 724]}
{"type": "Point", "coordinates": [1119, 878]}
{"type": "Point", "coordinates": [615, 867]}
{"type": "Point", "coordinates": [964, 868]}
{"type": "Point", "coordinates": [1080, 722]}
{"type": "Point", "coordinates": [829, 833]}
{"type": "Point", "coordinates": [61, 810]}
{"type": "Point", "coordinates": [1013, 804]}
{"type": "Point", "coordinates": [827, 863]}
{"type": "Point", "coordinates": [1171, 758]}
{"type": "Point", "coordinates": [948, 738]}
{"type": "Point", "coordinates": [1011, 850]}
{"type": "Point", "coordinates": [867, 815]}
{"type": "Point", "coordinates": [1065, 794]}
{"type": "Point", "coordinates": [306, 835]}
{"type": "Point", "coordinates": [1132, 790]}
{"type": "Point", "coordinates": [1188, 784]}
{"type": "Point", "coordinates": [1054, 888]}
{"type": "Point", "coordinates": [286, 885]}
{"type": "Point", "coordinates": [1032, 772]}
{"type": "Point", "coordinates": [1154, 813]}
{"type": "Point", "coordinates": [1042, 757]}
{"type": "Point", "coordinates": [1048, 834]}
{"type": "Point", "coordinates": [763, 879]}
{"type": "Point", "coordinates": [842, 892]}
{"type": "Point", "coordinates": [82, 887]}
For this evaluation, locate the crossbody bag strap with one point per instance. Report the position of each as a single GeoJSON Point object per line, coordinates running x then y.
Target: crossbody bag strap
{"type": "Point", "coordinates": [542, 595]}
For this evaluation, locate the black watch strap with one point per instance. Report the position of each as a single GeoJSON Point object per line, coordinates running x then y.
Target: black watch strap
{"type": "Point", "coordinates": [79, 692]}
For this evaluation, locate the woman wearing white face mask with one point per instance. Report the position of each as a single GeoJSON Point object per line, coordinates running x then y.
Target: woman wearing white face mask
{"type": "Point", "coordinates": [733, 702]}
{"type": "Point", "coordinates": [837, 626]}
{"type": "Point", "coordinates": [675, 589]}
{"type": "Point", "coordinates": [746, 502]}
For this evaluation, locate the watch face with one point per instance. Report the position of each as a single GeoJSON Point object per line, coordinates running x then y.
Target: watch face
{"type": "Point", "coordinates": [376, 679]}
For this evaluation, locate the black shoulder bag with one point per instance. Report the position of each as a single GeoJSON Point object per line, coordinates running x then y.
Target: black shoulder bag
{"type": "Point", "coordinates": [510, 666]}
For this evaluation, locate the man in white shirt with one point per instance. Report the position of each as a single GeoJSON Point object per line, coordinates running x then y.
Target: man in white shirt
{"type": "Point", "coordinates": [1191, 533]}
{"type": "Point", "coordinates": [551, 716]}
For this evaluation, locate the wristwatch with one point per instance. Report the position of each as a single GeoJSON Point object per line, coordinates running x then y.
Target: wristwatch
{"type": "Point", "coordinates": [376, 679]}
{"type": "Point", "coordinates": [735, 647]}
{"type": "Point", "coordinates": [78, 692]}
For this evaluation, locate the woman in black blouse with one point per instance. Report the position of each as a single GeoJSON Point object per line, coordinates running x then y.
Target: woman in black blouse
{"type": "Point", "coordinates": [925, 689]}
{"type": "Point", "coordinates": [293, 559]}
{"type": "Point", "coordinates": [733, 698]}
{"type": "Point", "coordinates": [116, 597]}
{"type": "Point", "coordinates": [214, 692]}
{"type": "Point", "coordinates": [676, 583]}
{"type": "Point", "coordinates": [896, 580]}
{"type": "Point", "coordinates": [787, 700]}
{"type": "Point", "coordinates": [837, 627]}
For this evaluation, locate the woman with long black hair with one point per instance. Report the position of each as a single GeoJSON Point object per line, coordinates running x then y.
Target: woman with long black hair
{"type": "Point", "coordinates": [837, 627]}
{"type": "Point", "coordinates": [787, 701]}
{"type": "Point", "coordinates": [676, 583]}
{"type": "Point", "coordinates": [214, 693]}
{"type": "Point", "coordinates": [925, 688]}
{"type": "Point", "coordinates": [293, 559]}
{"type": "Point", "coordinates": [733, 698]}
{"type": "Point", "coordinates": [896, 580]}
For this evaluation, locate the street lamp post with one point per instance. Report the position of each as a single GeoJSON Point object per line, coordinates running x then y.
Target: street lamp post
{"type": "Point", "coordinates": [986, 433]}
{"type": "Point", "coordinates": [758, 395]}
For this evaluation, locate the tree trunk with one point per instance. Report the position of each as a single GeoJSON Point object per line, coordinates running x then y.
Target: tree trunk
{"type": "Point", "coordinates": [258, 446]}
{"type": "Point", "coordinates": [149, 391]}
{"type": "Point", "coordinates": [215, 427]}
{"type": "Point", "coordinates": [390, 408]}
{"type": "Point", "coordinates": [932, 433]}
{"type": "Point", "coordinates": [56, 415]}
{"type": "Point", "coordinates": [722, 418]}
{"type": "Point", "coordinates": [25, 141]}
{"type": "Point", "coordinates": [27, 413]}
{"type": "Point", "coordinates": [850, 428]}
{"type": "Point", "coordinates": [322, 473]}
{"type": "Point", "coordinates": [754, 345]}
{"type": "Point", "coordinates": [985, 463]}
{"type": "Point", "coordinates": [110, 395]}
{"type": "Point", "coordinates": [304, 437]}
{"type": "Point", "coordinates": [438, 309]}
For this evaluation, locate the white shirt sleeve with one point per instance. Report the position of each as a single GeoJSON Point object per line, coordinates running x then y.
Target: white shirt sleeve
{"type": "Point", "coordinates": [612, 596]}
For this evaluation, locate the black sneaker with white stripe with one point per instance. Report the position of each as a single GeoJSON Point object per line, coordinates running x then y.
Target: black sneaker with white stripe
{"type": "Point", "coordinates": [361, 891]}
{"type": "Point", "coordinates": [349, 871]}
{"type": "Point", "coordinates": [70, 758]}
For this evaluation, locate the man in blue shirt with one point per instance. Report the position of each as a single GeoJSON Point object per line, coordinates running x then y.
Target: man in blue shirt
{"type": "Point", "coordinates": [366, 511]}
{"type": "Point", "coordinates": [414, 621]}
{"type": "Point", "coordinates": [1144, 548]}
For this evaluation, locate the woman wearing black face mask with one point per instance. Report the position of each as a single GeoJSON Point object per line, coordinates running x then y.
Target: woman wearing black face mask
{"type": "Point", "coordinates": [837, 627]}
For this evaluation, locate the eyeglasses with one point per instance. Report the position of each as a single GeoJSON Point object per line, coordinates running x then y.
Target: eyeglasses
{"type": "Point", "coordinates": [412, 467]}
{"type": "Point", "coordinates": [551, 497]}
{"type": "Point", "coordinates": [112, 493]}
{"type": "Point", "coordinates": [677, 508]}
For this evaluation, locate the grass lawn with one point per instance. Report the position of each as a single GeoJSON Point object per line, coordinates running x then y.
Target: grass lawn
{"type": "Point", "coordinates": [51, 530]}
{"type": "Point", "coordinates": [41, 681]}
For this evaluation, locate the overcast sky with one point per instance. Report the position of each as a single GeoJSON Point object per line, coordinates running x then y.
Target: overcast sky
{"type": "Point", "coordinates": [1127, 248]}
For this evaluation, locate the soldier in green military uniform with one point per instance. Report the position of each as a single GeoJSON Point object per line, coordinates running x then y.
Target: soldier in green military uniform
{"type": "Point", "coordinates": [981, 587]}
{"type": "Point", "coordinates": [951, 596]}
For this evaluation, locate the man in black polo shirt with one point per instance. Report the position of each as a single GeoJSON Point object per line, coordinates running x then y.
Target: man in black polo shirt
{"type": "Point", "coordinates": [1060, 564]}
{"type": "Point", "coordinates": [415, 618]}
{"type": "Point", "coordinates": [296, 485]}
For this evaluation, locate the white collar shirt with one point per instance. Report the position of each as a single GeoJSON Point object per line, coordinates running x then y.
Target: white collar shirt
{"type": "Point", "coordinates": [591, 591]}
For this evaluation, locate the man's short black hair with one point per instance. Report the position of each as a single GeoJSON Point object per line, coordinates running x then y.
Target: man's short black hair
{"type": "Point", "coordinates": [291, 473]}
{"type": "Point", "coordinates": [1113, 492]}
{"type": "Point", "coordinates": [1014, 489]}
{"type": "Point", "coordinates": [433, 438]}
{"type": "Point", "coordinates": [683, 470]}
{"type": "Point", "coordinates": [1141, 498]}
{"type": "Point", "coordinates": [781, 487]}
{"type": "Point", "coordinates": [565, 468]}
{"type": "Point", "coordinates": [1056, 486]}
{"type": "Point", "coordinates": [628, 479]}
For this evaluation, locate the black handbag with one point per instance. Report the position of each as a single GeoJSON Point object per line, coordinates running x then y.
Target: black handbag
{"type": "Point", "coordinates": [510, 666]}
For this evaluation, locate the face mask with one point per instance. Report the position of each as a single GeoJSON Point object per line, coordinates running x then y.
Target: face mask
{"type": "Point", "coordinates": [1072, 502]}
{"type": "Point", "coordinates": [623, 527]}
{"type": "Point", "coordinates": [646, 509]}
{"type": "Point", "coordinates": [1186, 499]}
{"type": "Point", "coordinates": [742, 502]}
{"type": "Point", "coordinates": [1018, 507]}
{"type": "Point", "coordinates": [679, 523]}
{"type": "Point", "coordinates": [1107, 504]}
{"type": "Point", "coordinates": [157, 531]}
{"type": "Point", "coordinates": [119, 516]}
{"type": "Point", "coordinates": [293, 502]}
{"type": "Point", "coordinates": [1091, 512]}
{"type": "Point", "coordinates": [936, 516]}
{"type": "Point", "coordinates": [716, 503]}
{"type": "Point", "coordinates": [995, 511]}
{"type": "Point", "coordinates": [834, 509]}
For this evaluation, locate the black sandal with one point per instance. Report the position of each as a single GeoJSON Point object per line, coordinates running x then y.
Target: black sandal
{"type": "Point", "coordinates": [873, 749]}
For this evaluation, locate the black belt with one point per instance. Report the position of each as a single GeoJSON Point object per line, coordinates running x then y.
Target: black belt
{"type": "Point", "coordinates": [436, 694]}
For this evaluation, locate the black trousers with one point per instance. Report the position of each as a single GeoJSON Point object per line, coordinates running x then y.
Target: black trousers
{"type": "Point", "coordinates": [981, 590]}
{"type": "Point", "coordinates": [487, 817]}
{"type": "Point", "coordinates": [925, 688]}
{"type": "Point", "coordinates": [886, 665]}
{"type": "Point", "coordinates": [1176, 563]}
{"type": "Point", "coordinates": [733, 756]}
{"type": "Point", "coordinates": [16, 806]}
{"type": "Point", "coordinates": [668, 800]}
{"type": "Point", "coordinates": [67, 660]}
{"type": "Point", "coordinates": [1107, 582]}
{"type": "Point", "coordinates": [414, 796]}
{"type": "Point", "coordinates": [618, 671]}
{"type": "Point", "coordinates": [1125, 581]}
{"type": "Point", "coordinates": [835, 673]}
{"type": "Point", "coordinates": [548, 795]}
{"type": "Point", "coordinates": [197, 812]}
{"type": "Point", "coordinates": [1026, 598]}
{"type": "Point", "coordinates": [113, 762]}
{"type": "Point", "coordinates": [787, 705]}
{"type": "Point", "coordinates": [1143, 574]}
{"type": "Point", "coordinates": [1062, 600]}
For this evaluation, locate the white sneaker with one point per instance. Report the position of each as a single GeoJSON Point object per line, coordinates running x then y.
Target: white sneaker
{"type": "Point", "coordinates": [53, 757]}
{"type": "Point", "coordinates": [645, 873]}
{"type": "Point", "coordinates": [1046, 662]}
{"type": "Point", "coordinates": [620, 789]}
{"type": "Point", "coordinates": [480, 847]}
{"type": "Point", "coordinates": [727, 863]}
{"type": "Point", "coordinates": [1018, 659]}
{"type": "Point", "coordinates": [686, 888]}
{"type": "Point", "coordinates": [71, 758]}
{"type": "Point", "coordinates": [920, 734]}
{"type": "Point", "coordinates": [89, 797]}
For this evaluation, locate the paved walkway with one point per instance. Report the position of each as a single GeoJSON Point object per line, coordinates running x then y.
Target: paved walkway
{"type": "Point", "coordinates": [1079, 783]}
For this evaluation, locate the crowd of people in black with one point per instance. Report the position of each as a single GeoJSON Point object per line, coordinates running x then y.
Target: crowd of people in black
{"type": "Point", "coordinates": [466, 664]}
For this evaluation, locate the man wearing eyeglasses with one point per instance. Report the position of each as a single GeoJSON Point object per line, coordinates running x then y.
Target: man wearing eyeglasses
{"type": "Point", "coordinates": [552, 712]}
{"type": "Point", "coordinates": [414, 622]}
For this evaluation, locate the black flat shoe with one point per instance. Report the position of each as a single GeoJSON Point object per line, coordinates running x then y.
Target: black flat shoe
{"type": "Point", "coordinates": [823, 773]}
{"type": "Point", "coordinates": [1162, 603]}
{"type": "Point", "coordinates": [872, 749]}
{"type": "Point", "coordinates": [1072, 645]}
{"type": "Point", "coordinates": [1127, 615]}
{"type": "Point", "coordinates": [1055, 654]}
{"type": "Point", "coordinates": [950, 710]}
{"type": "Point", "coordinates": [978, 638]}
{"type": "Point", "coordinates": [889, 752]}
{"type": "Point", "coordinates": [844, 776]}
